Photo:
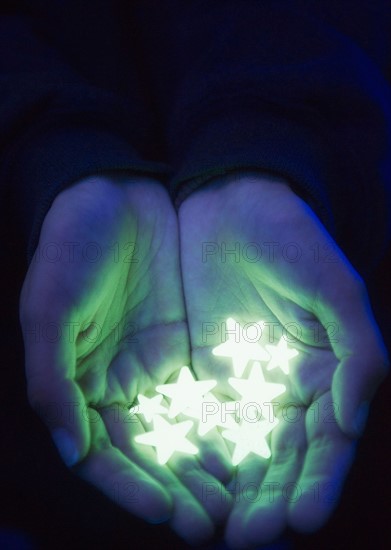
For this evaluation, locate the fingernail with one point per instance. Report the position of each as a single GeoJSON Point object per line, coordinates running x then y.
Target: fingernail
{"type": "Point", "coordinates": [361, 417]}
{"type": "Point", "coordinates": [66, 446]}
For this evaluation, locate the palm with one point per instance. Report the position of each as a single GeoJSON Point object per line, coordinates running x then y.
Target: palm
{"type": "Point", "coordinates": [128, 333]}
{"type": "Point", "coordinates": [310, 454]}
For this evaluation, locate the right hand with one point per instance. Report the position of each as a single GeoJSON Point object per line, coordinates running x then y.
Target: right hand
{"type": "Point", "coordinates": [102, 323]}
{"type": "Point", "coordinates": [220, 225]}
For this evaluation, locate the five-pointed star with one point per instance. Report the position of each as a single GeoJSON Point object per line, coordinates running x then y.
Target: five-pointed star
{"type": "Point", "coordinates": [211, 413]}
{"type": "Point", "coordinates": [149, 407]}
{"type": "Point", "coordinates": [186, 392]}
{"type": "Point", "coordinates": [280, 355]}
{"type": "Point", "coordinates": [250, 437]}
{"type": "Point", "coordinates": [168, 438]}
{"type": "Point", "coordinates": [255, 389]}
{"type": "Point", "coordinates": [240, 352]}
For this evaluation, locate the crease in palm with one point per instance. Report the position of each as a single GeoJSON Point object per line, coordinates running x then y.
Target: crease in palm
{"type": "Point", "coordinates": [150, 309]}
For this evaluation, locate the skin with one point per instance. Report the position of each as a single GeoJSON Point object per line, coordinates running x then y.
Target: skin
{"type": "Point", "coordinates": [133, 294]}
{"type": "Point", "coordinates": [334, 373]}
{"type": "Point", "coordinates": [165, 297]}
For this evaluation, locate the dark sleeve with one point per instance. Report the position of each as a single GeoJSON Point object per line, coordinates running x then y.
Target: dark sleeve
{"type": "Point", "coordinates": [293, 88]}
{"type": "Point", "coordinates": [70, 104]}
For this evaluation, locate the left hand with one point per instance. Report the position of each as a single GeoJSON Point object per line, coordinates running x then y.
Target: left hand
{"type": "Point", "coordinates": [341, 361]}
{"type": "Point", "coordinates": [123, 308]}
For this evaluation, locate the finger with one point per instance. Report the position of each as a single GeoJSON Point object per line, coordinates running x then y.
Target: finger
{"type": "Point", "coordinates": [267, 517]}
{"type": "Point", "coordinates": [53, 394]}
{"type": "Point", "coordinates": [214, 456]}
{"type": "Point", "coordinates": [358, 345]}
{"type": "Point", "coordinates": [203, 474]}
{"type": "Point", "coordinates": [188, 517]}
{"type": "Point", "coordinates": [245, 488]}
{"type": "Point", "coordinates": [328, 459]}
{"type": "Point", "coordinates": [208, 490]}
{"type": "Point", "coordinates": [130, 486]}
{"type": "Point", "coordinates": [262, 515]}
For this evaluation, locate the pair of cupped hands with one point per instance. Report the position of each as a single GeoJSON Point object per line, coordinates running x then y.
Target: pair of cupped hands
{"type": "Point", "coordinates": [122, 315]}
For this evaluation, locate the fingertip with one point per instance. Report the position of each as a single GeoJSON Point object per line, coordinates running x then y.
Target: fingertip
{"type": "Point", "coordinates": [353, 386]}
{"type": "Point", "coordinates": [160, 505]}
{"type": "Point", "coordinates": [235, 532]}
{"type": "Point", "coordinates": [192, 523]}
{"type": "Point", "coordinates": [307, 516]}
{"type": "Point", "coordinates": [66, 446]}
{"type": "Point", "coordinates": [250, 528]}
{"type": "Point", "coordinates": [197, 534]}
{"type": "Point", "coordinates": [61, 407]}
{"type": "Point", "coordinates": [264, 525]}
{"type": "Point", "coordinates": [146, 498]}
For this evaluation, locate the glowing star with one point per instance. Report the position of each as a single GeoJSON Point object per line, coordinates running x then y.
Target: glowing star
{"type": "Point", "coordinates": [211, 413]}
{"type": "Point", "coordinates": [168, 438]}
{"type": "Point", "coordinates": [280, 355]}
{"type": "Point", "coordinates": [240, 352]}
{"type": "Point", "coordinates": [250, 437]}
{"type": "Point", "coordinates": [148, 407]}
{"type": "Point", "coordinates": [186, 392]}
{"type": "Point", "coordinates": [255, 389]}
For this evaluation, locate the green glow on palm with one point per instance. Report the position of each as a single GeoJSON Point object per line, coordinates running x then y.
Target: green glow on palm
{"type": "Point", "coordinates": [192, 398]}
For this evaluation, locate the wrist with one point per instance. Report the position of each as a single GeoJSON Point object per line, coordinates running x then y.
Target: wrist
{"type": "Point", "coordinates": [104, 195]}
{"type": "Point", "coordinates": [240, 187]}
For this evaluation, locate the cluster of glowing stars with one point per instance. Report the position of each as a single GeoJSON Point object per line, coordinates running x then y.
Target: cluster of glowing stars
{"type": "Point", "coordinates": [193, 398]}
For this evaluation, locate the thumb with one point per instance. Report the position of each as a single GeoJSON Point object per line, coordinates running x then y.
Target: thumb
{"type": "Point", "coordinates": [56, 397]}
{"type": "Point", "coordinates": [354, 384]}
{"type": "Point", "coordinates": [63, 410]}
{"type": "Point", "coordinates": [359, 348]}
